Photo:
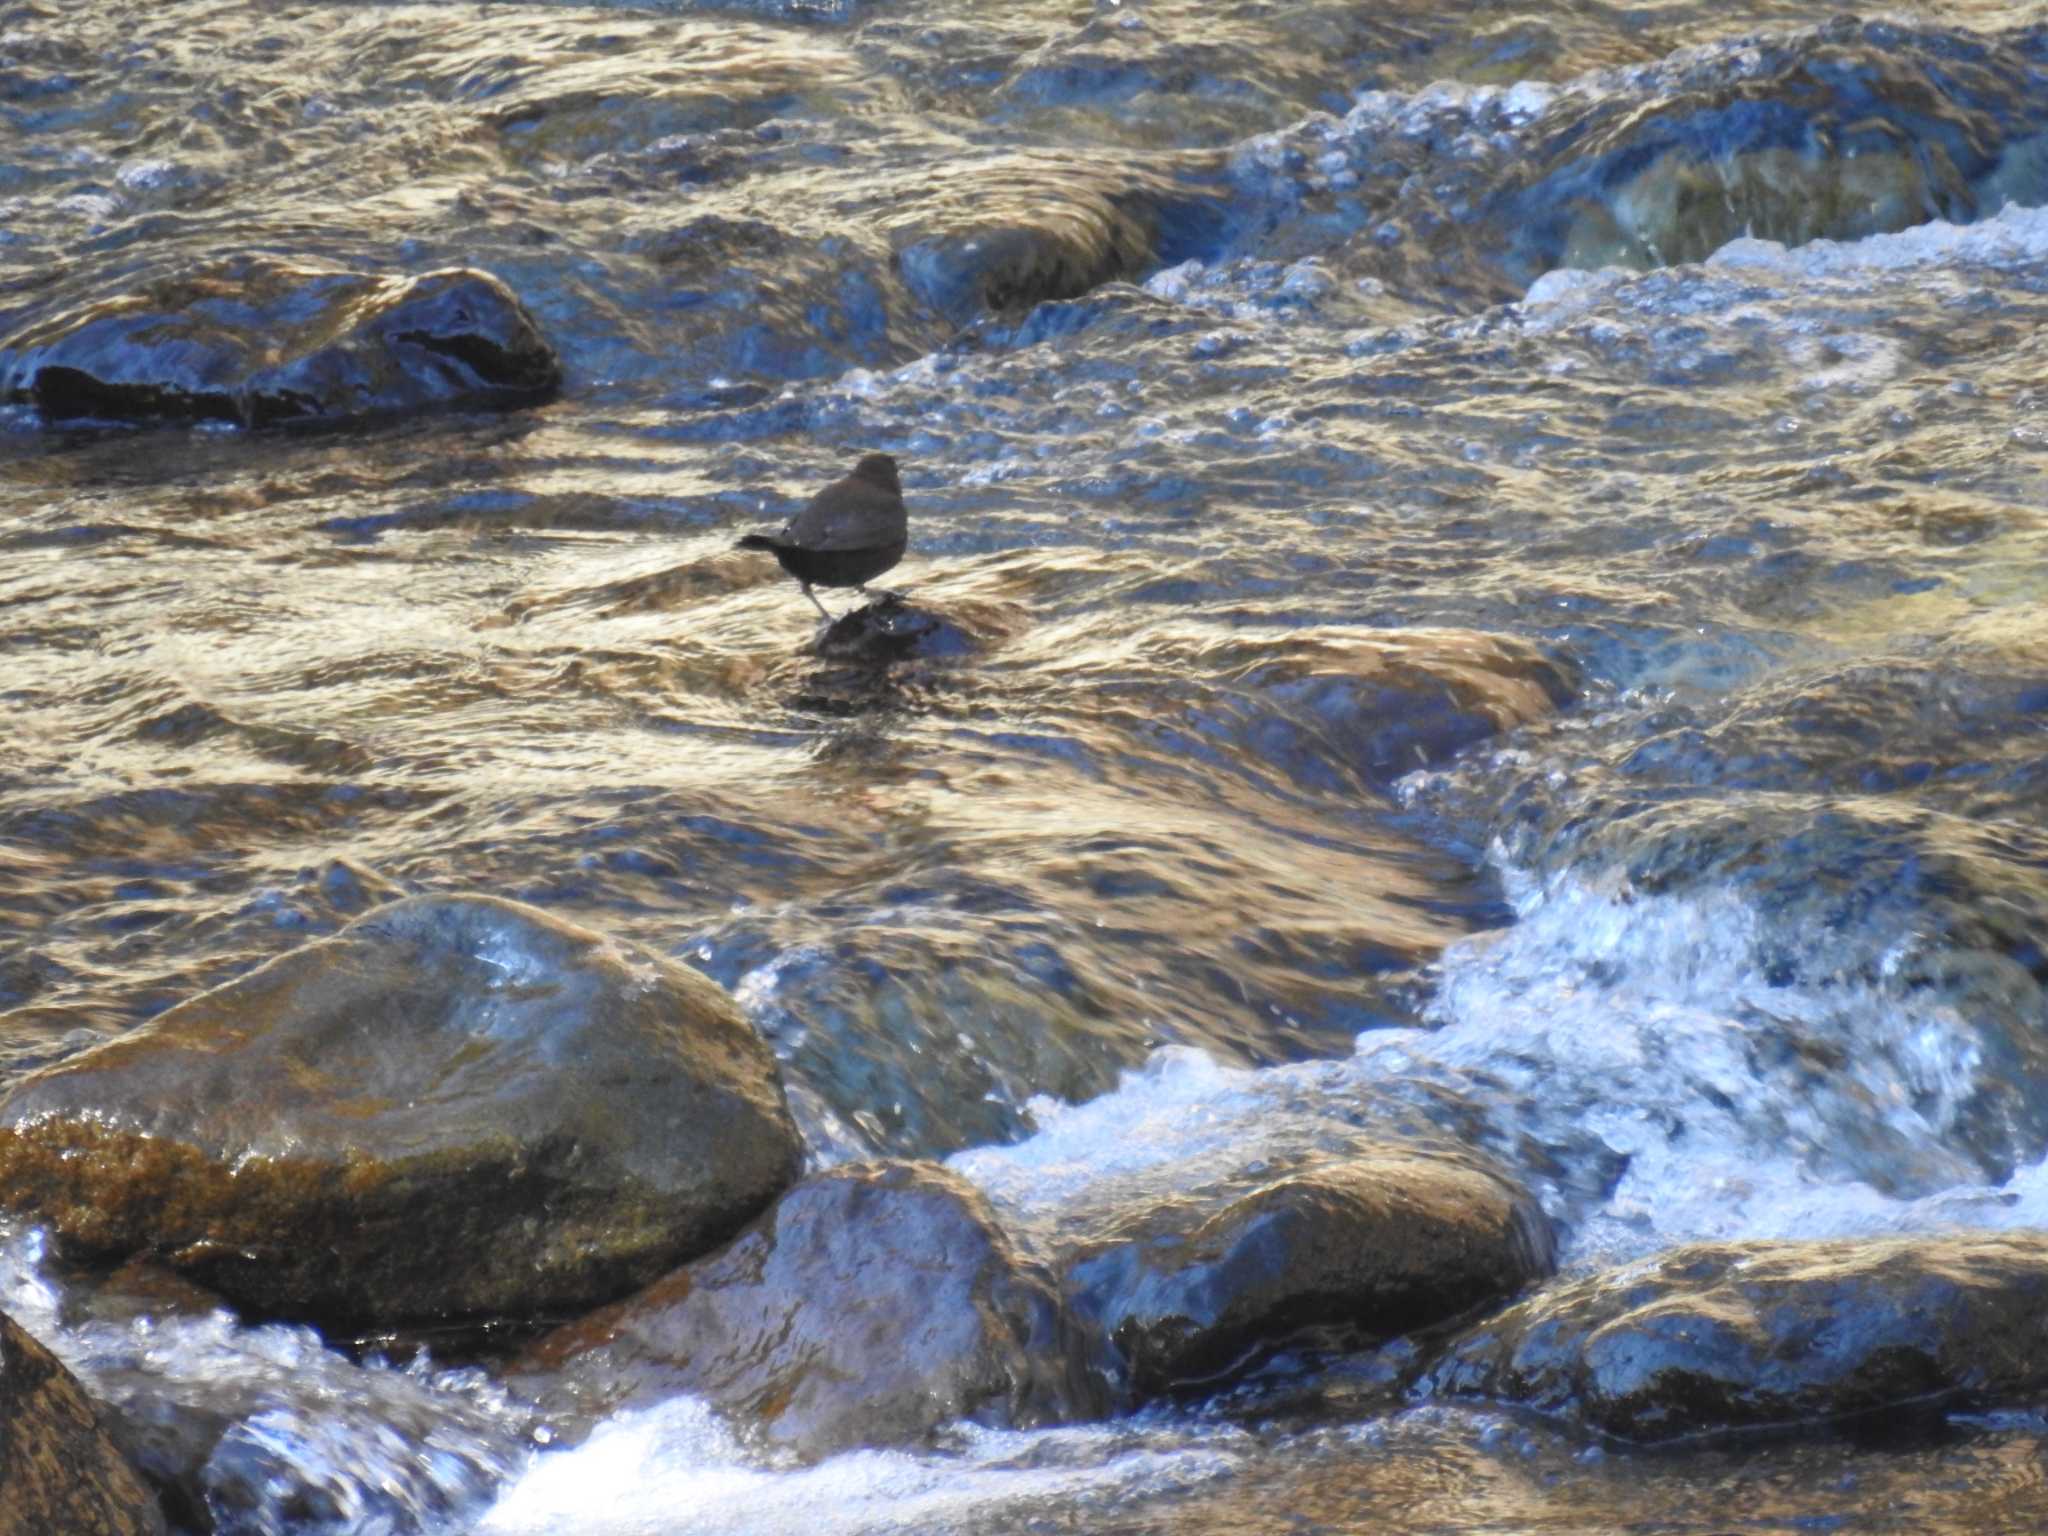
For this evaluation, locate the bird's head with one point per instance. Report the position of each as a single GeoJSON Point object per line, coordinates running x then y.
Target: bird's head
{"type": "Point", "coordinates": [879, 469]}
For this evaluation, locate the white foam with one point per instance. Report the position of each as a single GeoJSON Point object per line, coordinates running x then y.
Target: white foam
{"type": "Point", "coordinates": [1611, 1030]}
{"type": "Point", "coordinates": [2013, 237]}
{"type": "Point", "coordinates": [674, 1470]}
{"type": "Point", "coordinates": [1575, 288]}
{"type": "Point", "coordinates": [1453, 108]}
{"type": "Point", "coordinates": [1178, 1119]}
{"type": "Point", "coordinates": [1743, 1108]}
{"type": "Point", "coordinates": [1174, 282]}
{"type": "Point", "coordinates": [146, 175]}
{"type": "Point", "coordinates": [1808, 302]}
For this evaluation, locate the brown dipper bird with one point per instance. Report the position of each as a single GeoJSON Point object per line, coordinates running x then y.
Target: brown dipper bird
{"type": "Point", "coordinates": [847, 534]}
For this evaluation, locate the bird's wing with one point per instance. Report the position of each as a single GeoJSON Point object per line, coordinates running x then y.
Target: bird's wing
{"type": "Point", "coordinates": [849, 514]}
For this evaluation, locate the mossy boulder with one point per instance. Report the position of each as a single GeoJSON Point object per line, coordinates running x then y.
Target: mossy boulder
{"type": "Point", "coordinates": [456, 1106]}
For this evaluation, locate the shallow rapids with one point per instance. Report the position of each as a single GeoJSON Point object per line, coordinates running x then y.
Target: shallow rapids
{"type": "Point", "coordinates": [1493, 566]}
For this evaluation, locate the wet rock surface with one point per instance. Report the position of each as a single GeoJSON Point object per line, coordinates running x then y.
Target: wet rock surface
{"type": "Point", "coordinates": [456, 1106]}
{"type": "Point", "coordinates": [892, 628]}
{"type": "Point", "coordinates": [1749, 1335]}
{"type": "Point", "coordinates": [257, 341]}
{"type": "Point", "coordinates": [1345, 1253]}
{"type": "Point", "coordinates": [59, 1471]}
{"type": "Point", "coordinates": [871, 1304]}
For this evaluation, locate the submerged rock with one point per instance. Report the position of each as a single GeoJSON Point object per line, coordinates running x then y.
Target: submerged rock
{"type": "Point", "coordinates": [1353, 1251]}
{"type": "Point", "coordinates": [256, 341]}
{"type": "Point", "coordinates": [457, 1106]}
{"type": "Point", "coordinates": [1006, 233]}
{"type": "Point", "coordinates": [873, 1303]}
{"type": "Point", "coordinates": [940, 247]}
{"type": "Point", "coordinates": [1208, 78]}
{"type": "Point", "coordinates": [1345, 708]}
{"type": "Point", "coordinates": [1740, 1335]}
{"type": "Point", "coordinates": [59, 1471]}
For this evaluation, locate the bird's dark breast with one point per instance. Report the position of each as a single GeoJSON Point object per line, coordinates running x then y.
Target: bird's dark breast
{"type": "Point", "coordinates": [839, 567]}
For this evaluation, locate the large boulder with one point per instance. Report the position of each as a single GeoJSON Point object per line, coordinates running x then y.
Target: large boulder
{"type": "Point", "coordinates": [456, 1106]}
{"type": "Point", "coordinates": [873, 1303]}
{"type": "Point", "coordinates": [1350, 1251]}
{"type": "Point", "coordinates": [1837, 132]}
{"type": "Point", "coordinates": [1740, 1335]}
{"type": "Point", "coordinates": [255, 340]}
{"type": "Point", "coordinates": [59, 1472]}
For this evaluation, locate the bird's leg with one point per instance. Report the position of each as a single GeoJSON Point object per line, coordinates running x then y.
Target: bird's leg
{"type": "Point", "coordinates": [815, 603]}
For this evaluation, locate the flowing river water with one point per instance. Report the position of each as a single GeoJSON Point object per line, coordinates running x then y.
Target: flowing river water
{"type": "Point", "coordinates": [1676, 375]}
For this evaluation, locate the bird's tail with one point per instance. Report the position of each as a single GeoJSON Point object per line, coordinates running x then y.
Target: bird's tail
{"type": "Point", "coordinates": [757, 541]}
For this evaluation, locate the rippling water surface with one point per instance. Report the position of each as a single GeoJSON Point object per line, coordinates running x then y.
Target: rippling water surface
{"type": "Point", "coordinates": [1493, 557]}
